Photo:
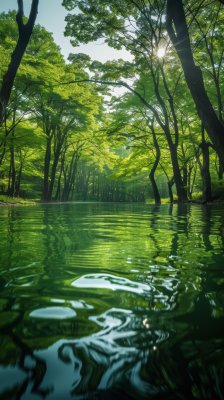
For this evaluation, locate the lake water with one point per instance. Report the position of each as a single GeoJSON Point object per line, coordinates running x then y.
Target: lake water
{"type": "Point", "coordinates": [111, 301]}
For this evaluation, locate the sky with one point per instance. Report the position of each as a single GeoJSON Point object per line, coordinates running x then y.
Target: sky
{"type": "Point", "coordinates": [51, 15]}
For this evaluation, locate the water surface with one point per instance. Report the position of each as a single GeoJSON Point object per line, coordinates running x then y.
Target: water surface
{"type": "Point", "coordinates": [111, 301]}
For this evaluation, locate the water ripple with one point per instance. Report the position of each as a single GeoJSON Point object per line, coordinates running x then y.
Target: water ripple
{"type": "Point", "coordinates": [112, 282]}
{"type": "Point", "coordinates": [53, 313]}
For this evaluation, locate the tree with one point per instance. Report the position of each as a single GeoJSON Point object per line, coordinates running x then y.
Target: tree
{"type": "Point", "coordinates": [141, 28]}
{"type": "Point", "coordinates": [25, 31]}
{"type": "Point", "coordinates": [179, 35]}
{"type": "Point", "coordinates": [116, 24]}
{"type": "Point", "coordinates": [35, 66]}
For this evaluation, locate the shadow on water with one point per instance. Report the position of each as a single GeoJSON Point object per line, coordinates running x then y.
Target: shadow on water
{"type": "Point", "coordinates": [111, 302]}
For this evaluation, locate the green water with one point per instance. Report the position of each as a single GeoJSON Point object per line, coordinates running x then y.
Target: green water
{"type": "Point", "coordinates": [111, 301]}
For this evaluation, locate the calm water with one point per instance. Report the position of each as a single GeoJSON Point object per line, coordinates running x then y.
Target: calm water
{"type": "Point", "coordinates": [111, 301]}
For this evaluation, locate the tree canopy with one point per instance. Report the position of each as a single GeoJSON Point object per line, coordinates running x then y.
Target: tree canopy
{"type": "Point", "coordinates": [68, 135]}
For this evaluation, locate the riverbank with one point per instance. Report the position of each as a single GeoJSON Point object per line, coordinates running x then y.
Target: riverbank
{"type": "Point", "coordinates": [14, 201]}
{"type": "Point", "coordinates": [18, 201]}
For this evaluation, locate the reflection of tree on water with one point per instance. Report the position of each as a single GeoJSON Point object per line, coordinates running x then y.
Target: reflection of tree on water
{"type": "Point", "coordinates": [184, 364]}
{"type": "Point", "coordinates": [111, 365]}
{"type": "Point", "coordinates": [197, 352]}
{"type": "Point", "coordinates": [110, 361]}
{"type": "Point", "coordinates": [114, 363]}
{"type": "Point", "coordinates": [165, 343]}
{"type": "Point", "coordinates": [33, 372]}
{"type": "Point", "coordinates": [207, 325]}
{"type": "Point", "coordinates": [120, 360]}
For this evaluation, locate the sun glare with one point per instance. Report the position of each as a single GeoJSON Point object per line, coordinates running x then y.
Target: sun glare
{"type": "Point", "coordinates": [161, 52]}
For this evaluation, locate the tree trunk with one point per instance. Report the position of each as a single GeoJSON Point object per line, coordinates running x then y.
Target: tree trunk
{"type": "Point", "coordinates": [18, 181]}
{"type": "Point", "coordinates": [170, 184]}
{"type": "Point", "coordinates": [25, 32]}
{"type": "Point", "coordinates": [179, 35]}
{"type": "Point", "coordinates": [191, 184]}
{"type": "Point", "coordinates": [206, 178]}
{"type": "Point", "coordinates": [45, 194]}
{"type": "Point", "coordinates": [220, 169]}
{"type": "Point", "coordinates": [157, 198]}
{"type": "Point", "coordinates": [53, 173]}
{"type": "Point", "coordinates": [2, 155]}
{"type": "Point", "coordinates": [185, 176]}
{"type": "Point", "coordinates": [58, 191]}
{"type": "Point", "coordinates": [156, 194]}
{"type": "Point", "coordinates": [189, 174]}
{"type": "Point", "coordinates": [12, 187]}
{"type": "Point", "coordinates": [173, 144]}
{"type": "Point", "coordinates": [181, 189]}
{"type": "Point", "coordinates": [9, 179]}
{"type": "Point", "coordinates": [70, 177]}
{"type": "Point", "coordinates": [12, 170]}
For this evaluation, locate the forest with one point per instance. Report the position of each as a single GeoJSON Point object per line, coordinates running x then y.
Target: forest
{"type": "Point", "coordinates": [145, 130]}
{"type": "Point", "coordinates": [111, 200]}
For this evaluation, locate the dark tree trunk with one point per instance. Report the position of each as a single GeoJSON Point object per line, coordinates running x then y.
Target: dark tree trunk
{"type": "Point", "coordinates": [58, 191]}
{"type": "Point", "coordinates": [170, 184]}
{"type": "Point", "coordinates": [192, 182]}
{"type": "Point", "coordinates": [189, 175]}
{"type": "Point", "coordinates": [12, 170]}
{"type": "Point", "coordinates": [156, 194]}
{"type": "Point", "coordinates": [25, 32]}
{"type": "Point", "coordinates": [157, 198]}
{"type": "Point", "coordinates": [206, 178]}
{"type": "Point", "coordinates": [180, 188]}
{"type": "Point", "coordinates": [179, 35]}
{"type": "Point", "coordinates": [205, 172]}
{"type": "Point", "coordinates": [69, 178]}
{"type": "Point", "coordinates": [2, 155]}
{"type": "Point", "coordinates": [12, 186]}
{"type": "Point", "coordinates": [220, 169]}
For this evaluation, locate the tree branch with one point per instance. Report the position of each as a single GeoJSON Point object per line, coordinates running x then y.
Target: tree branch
{"type": "Point", "coordinates": [33, 13]}
{"type": "Point", "coordinates": [20, 15]}
{"type": "Point", "coordinates": [124, 84]}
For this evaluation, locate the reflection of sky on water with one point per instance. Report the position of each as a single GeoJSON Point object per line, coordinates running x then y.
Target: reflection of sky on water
{"type": "Point", "coordinates": [53, 313]}
{"type": "Point", "coordinates": [106, 281]}
{"type": "Point", "coordinates": [11, 376]}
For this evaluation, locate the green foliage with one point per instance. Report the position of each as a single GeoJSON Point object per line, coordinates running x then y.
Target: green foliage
{"type": "Point", "coordinates": [64, 139]}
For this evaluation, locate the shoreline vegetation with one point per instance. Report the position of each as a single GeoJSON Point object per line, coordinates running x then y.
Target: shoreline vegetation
{"type": "Point", "coordinates": [18, 201]}
{"type": "Point", "coordinates": [15, 201]}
